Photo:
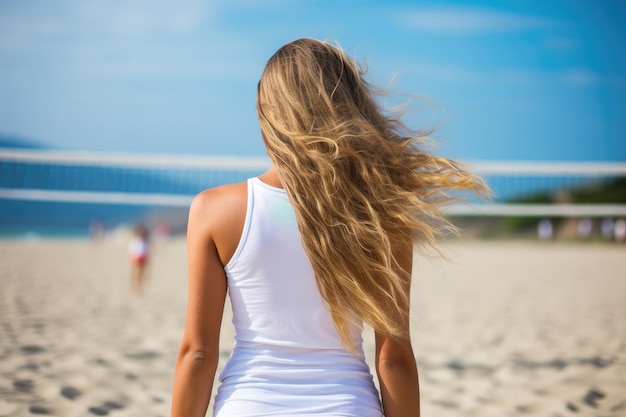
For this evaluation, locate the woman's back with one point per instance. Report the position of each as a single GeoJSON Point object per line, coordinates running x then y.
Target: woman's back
{"type": "Point", "coordinates": [288, 357]}
{"type": "Point", "coordinates": [270, 280]}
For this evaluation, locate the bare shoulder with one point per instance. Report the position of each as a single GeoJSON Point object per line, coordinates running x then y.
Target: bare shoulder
{"type": "Point", "coordinates": [219, 215]}
{"type": "Point", "coordinates": [213, 200]}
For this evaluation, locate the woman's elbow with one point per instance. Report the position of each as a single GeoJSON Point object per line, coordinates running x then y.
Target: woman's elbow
{"type": "Point", "coordinates": [395, 357]}
{"type": "Point", "coordinates": [396, 364]}
{"type": "Point", "coordinates": [196, 357]}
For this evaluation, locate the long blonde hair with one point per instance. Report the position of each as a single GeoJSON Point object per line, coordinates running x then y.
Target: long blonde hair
{"type": "Point", "coordinates": [358, 179]}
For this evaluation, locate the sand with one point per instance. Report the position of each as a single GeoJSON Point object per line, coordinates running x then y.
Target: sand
{"type": "Point", "coordinates": [504, 329]}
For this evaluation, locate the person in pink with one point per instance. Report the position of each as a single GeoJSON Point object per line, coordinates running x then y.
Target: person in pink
{"type": "Point", "coordinates": [139, 254]}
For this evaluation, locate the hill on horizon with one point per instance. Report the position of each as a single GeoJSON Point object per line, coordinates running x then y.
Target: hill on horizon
{"type": "Point", "coordinates": [17, 142]}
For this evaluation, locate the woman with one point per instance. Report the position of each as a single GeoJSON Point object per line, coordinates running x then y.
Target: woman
{"type": "Point", "coordinates": [310, 250]}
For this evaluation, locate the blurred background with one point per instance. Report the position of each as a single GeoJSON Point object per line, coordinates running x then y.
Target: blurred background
{"type": "Point", "coordinates": [117, 112]}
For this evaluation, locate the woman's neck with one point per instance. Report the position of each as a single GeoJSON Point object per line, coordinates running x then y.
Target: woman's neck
{"type": "Point", "coordinates": [271, 177]}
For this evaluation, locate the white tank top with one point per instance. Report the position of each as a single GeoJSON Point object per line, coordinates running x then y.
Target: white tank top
{"type": "Point", "coordinates": [270, 279]}
{"type": "Point", "coordinates": [288, 358]}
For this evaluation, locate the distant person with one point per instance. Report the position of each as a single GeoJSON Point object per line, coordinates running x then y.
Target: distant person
{"type": "Point", "coordinates": [585, 229]}
{"type": "Point", "coordinates": [545, 230]}
{"type": "Point", "coordinates": [311, 249]}
{"type": "Point", "coordinates": [608, 228]}
{"type": "Point", "coordinates": [620, 231]}
{"type": "Point", "coordinates": [96, 230]}
{"type": "Point", "coordinates": [139, 253]}
{"type": "Point", "coordinates": [162, 230]}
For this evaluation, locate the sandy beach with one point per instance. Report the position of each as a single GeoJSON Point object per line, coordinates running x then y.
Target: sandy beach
{"type": "Point", "coordinates": [502, 329]}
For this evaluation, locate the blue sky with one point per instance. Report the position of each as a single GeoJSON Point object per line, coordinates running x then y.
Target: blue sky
{"type": "Point", "coordinates": [524, 80]}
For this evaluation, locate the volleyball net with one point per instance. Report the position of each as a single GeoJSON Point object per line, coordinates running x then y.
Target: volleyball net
{"type": "Point", "coordinates": [531, 188]}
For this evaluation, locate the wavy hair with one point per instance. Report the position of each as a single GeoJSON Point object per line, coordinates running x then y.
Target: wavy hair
{"type": "Point", "coordinates": [359, 180]}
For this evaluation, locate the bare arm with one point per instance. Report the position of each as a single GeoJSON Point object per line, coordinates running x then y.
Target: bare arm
{"type": "Point", "coordinates": [199, 350]}
{"type": "Point", "coordinates": [395, 362]}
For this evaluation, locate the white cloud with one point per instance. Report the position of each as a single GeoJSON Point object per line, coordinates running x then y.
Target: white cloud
{"type": "Point", "coordinates": [19, 24]}
{"type": "Point", "coordinates": [78, 19]}
{"type": "Point", "coordinates": [562, 44]}
{"type": "Point", "coordinates": [444, 72]}
{"type": "Point", "coordinates": [169, 64]}
{"type": "Point", "coordinates": [467, 20]}
{"type": "Point", "coordinates": [16, 32]}
{"type": "Point", "coordinates": [142, 17]}
{"type": "Point", "coordinates": [125, 39]}
{"type": "Point", "coordinates": [580, 77]}
{"type": "Point", "coordinates": [511, 76]}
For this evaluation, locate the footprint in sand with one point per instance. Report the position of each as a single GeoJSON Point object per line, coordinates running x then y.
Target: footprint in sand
{"type": "Point", "coordinates": [592, 397]}
{"type": "Point", "coordinates": [143, 355]}
{"type": "Point", "coordinates": [38, 409]}
{"type": "Point", "coordinates": [106, 407]}
{"type": "Point", "coordinates": [23, 385]}
{"type": "Point", "coordinates": [31, 349]}
{"type": "Point", "coordinates": [70, 393]}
